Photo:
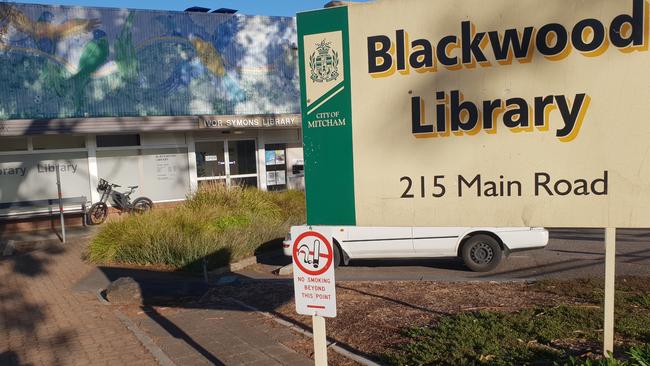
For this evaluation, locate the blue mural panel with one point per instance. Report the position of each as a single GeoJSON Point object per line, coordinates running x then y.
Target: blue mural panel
{"type": "Point", "coordinates": [61, 62]}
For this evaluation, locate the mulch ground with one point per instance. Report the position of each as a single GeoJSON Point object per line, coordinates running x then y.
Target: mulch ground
{"type": "Point", "coordinates": [371, 315]}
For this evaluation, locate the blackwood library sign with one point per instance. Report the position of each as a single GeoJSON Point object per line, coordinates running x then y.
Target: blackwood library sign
{"type": "Point", "coordinates": [446, 113]}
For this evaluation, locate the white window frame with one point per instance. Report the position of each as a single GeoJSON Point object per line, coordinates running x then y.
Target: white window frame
{"type": "Point", "coordinates": [30, 148]}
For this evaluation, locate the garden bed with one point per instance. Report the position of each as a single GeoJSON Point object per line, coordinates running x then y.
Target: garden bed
{"type": "Point", "coordinates": [216, 224]}
{"type": "Point", "coordinates": [430, 323]}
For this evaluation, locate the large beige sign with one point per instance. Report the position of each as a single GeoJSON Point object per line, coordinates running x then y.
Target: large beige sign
{"type": "Point", "coordinates": [500, 113]}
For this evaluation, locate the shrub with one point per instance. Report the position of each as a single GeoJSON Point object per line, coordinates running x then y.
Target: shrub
{"type": "Point", "coordinates": [525, 337]}
{"type": "Point", "coordinates": [492, 338]}
{"type": "Point", "coordinates": [640, 355]}
{"type": "Point", "coordinates": [216, 223]}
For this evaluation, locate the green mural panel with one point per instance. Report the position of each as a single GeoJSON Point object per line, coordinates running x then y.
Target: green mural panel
{"type": "Point", "coordinates": [58, 62]}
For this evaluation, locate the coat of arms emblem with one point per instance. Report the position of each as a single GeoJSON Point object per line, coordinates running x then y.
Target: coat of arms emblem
{"type": "Point", "coordinates": [324, 63]}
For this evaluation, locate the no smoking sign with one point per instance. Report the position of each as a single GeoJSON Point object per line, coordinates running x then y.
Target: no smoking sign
{"type": "Point", "coordinates": [313, 271]}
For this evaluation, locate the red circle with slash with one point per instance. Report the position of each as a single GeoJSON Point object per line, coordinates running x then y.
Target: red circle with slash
{"type": "Point", "coordinates": [327, 256]}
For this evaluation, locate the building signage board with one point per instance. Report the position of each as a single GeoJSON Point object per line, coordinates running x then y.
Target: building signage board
{"type": "Point", "coordinates": [518, 113]}
{"type": "Point", "coordinates": [252, 121]}
{"type": "Point", "coordinates": [313, 272]}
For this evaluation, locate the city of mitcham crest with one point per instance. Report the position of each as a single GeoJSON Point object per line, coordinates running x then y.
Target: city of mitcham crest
{"type": "Point", "coordinates": [324, 63]}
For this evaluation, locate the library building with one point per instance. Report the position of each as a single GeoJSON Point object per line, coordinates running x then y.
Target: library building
{"type": "Point", "coordinates": [166, 101]}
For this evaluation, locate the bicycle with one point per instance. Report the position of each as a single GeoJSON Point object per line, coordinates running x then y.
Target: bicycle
{"type": "Point", "coordinates": [121, 200]}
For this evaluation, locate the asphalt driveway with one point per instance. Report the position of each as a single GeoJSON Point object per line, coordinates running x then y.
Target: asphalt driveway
{"type": "Point", "coordinates": [571, 253]}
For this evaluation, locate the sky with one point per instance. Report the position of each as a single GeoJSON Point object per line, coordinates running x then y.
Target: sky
{"type": "Point", "coordinates": [252, 7]}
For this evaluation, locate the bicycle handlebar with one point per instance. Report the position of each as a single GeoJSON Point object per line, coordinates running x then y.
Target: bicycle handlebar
{"type": "Point", "coordinates": [104, 184]}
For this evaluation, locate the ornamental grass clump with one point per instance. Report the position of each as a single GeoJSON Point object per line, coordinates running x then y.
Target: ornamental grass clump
{"type": "Point", "coordinates": [216, 223]}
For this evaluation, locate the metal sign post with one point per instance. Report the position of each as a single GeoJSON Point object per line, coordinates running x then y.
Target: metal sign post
{"type": "Point", "coordinates": [58, 186]}
{"type": "Point", "coordinates": [610, 290]}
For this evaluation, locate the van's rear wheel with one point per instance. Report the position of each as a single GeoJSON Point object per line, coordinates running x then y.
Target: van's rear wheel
{"type": "Point", "coordinates": [337, 256]}
{"type": "Point", "coordinates": [481, 253]}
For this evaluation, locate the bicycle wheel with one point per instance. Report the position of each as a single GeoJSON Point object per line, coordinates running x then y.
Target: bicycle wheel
{"type": "Point", "coordinates": [141, 205]}
{"type": "Point", "coordinates": [98, 213]}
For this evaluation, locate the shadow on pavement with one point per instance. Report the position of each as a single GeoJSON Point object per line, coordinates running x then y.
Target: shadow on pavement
{"type": "Point", "coordinates": [159, 286]}
{"type": "Point", "coordinates": [176, 332]}
{"type": "Point", "coordinates": [182, 291]}
{"type": "Point", "coordinates": [20, 316]}
{"type": "Point", "coordinates": [452, 263]}
{"type": "Point", "coordinates": [9, 358]}
{"type": "Point", "coordinates": [404, 303]}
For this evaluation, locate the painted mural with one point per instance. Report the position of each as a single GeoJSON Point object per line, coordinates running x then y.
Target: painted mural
{"type": "Point", "coordinates": [60, 62]}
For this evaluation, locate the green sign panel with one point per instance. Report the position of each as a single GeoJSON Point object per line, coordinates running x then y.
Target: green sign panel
{"type": "Point", "coordinates": [326, 116]}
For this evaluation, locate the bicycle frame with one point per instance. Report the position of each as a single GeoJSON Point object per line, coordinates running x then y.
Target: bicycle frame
{"type": "Point", "coordinates": [121, 200]}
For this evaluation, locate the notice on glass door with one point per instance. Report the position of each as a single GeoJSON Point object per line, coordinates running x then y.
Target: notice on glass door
{"type": "Point", "coordinates": [165, 167]}
{"type": "Point", "coordinates": [280, 177]}
{"type": "Point", "coordinates": [276, 178]}
{"type": "Point", "coordinates": [271, 178]}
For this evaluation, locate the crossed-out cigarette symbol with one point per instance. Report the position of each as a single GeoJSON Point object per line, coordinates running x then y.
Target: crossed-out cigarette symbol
{"type": "Point", "coordinates": [313, 256]}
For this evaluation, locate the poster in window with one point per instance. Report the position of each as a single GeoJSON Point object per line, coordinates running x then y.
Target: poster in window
{"type": "Point", "coordinates": [279, 157]}
{"type": "Point", "coordinates": [270, 157]}
{"type": "Point", "coordinates": [271, 178]}
{"type": "Point", "coordinates": [280, 177]}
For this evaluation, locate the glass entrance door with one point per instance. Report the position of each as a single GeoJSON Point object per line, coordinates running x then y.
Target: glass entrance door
{"type": "Point", "coordinates": [242, 162]}
{"type": "Point", "coordinates": [227, 161]}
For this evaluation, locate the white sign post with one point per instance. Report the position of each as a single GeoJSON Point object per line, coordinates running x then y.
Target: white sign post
{"type": "Point", "coordinates": [314, 283]}
{"type": "Point", "coordinates": [610, 290]}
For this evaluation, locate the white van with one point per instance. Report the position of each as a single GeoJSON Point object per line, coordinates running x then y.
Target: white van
{"type": "Point", "coordinates": [480, 248]}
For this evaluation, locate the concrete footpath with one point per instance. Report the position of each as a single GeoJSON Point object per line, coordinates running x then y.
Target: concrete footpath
{"type": "Point", "coordinates": [44, 322]}
{"type": "Point", "coordinates": [220, 333]}
{"type": "Point", "coordinates": [50, 315]}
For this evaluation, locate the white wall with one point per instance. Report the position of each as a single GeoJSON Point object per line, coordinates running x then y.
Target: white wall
{"type": "Point", "coordinates": [30, 177]}
{"type": "Point", "coordinates": [163, 166]}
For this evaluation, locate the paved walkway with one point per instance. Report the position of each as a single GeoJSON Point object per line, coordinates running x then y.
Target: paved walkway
{"type": "Point", "coordinates": [50, 315]}
{"type": "Point", "coordinates": [218, 334]}
{"type": "Point", "coordinates": [43, 322]}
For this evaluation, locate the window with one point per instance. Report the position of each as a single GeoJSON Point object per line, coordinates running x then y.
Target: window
{"type": "Point", "coordinates": [276, 166]}
{"type": "Point", "coordinates": [118, 140]}
{"type": "Point", "coordinates": [58, 142]}
{"type": "Point", "coordinates": [29, 177]}
{"type": "Point", "coordinates": [162, 174]}
{"type": "Point", "coordinates": [13, 144]}
{"type": "Point", "coordinates": [159, 139]}
{"type": "Point", "coordinates": [245, 182]}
